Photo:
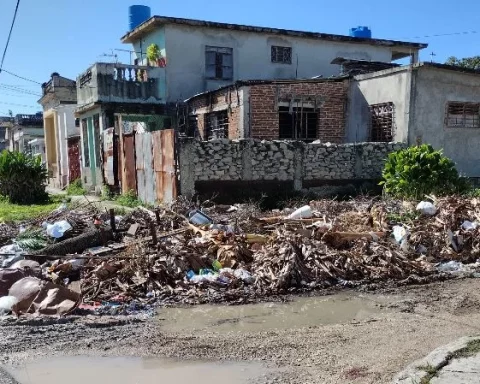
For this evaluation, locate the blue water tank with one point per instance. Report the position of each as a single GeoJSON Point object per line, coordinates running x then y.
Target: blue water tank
{"type": "Point", "coordinates": [137, 14]}
{"type": "Point", "coordinates": [363, 32]}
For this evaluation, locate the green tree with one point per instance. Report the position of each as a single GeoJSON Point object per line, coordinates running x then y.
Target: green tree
{"type": "Point", "coordinates": [467, 62]}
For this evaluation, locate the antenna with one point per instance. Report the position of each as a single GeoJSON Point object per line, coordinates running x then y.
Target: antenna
{"type": "Point", "coordinates": [432, 55]}
{"type": "Point", "coordinates": [111, 54]}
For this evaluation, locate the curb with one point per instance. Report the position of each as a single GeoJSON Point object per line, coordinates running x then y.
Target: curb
{"type": "Point", "coordinates": [438, 359]}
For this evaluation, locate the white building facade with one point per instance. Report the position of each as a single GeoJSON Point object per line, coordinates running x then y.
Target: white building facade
{"type": "Point", "coordinates": [199, 56]}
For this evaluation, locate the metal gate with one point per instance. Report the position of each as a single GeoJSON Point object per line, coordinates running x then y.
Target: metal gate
{"type": "Point", "coordinates": [129, 179]}
{"type": "Point", "coordinates": [164, 165]}
{"type": "Point", "coordinates": [74, 171]}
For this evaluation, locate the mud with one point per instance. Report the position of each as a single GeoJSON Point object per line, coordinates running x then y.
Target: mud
{"type": "Point", "coordinates": [362, 346]}
{"type": "Point", "coordinates": [127, 370]}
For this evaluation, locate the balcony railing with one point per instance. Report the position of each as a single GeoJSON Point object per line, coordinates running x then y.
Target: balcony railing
{"type": "Point", "coordinates": [114, 82]}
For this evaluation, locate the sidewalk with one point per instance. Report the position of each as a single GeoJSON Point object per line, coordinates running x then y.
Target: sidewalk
{"type": "Point", "coordinates": [456, 363]}
{"type": "Point", "coordinates": [95, 200]}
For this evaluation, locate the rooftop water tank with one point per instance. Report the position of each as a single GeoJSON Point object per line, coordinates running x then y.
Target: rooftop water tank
{"type": "Point", "coordinates": [362, 32]}
{"type": "Point", "coordinates": [137, 14]}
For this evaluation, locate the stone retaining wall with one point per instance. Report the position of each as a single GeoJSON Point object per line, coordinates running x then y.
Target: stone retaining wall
{"type": "Point", "coordinates": [294, 161]}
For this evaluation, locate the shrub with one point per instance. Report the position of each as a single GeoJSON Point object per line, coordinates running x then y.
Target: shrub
{"type": "Point", "coordinates": [75, 188]}
{"type": "Point", "coordinates": [22, 178]}
{"type": "Point", "coordinates": [418, 171]}
{"type": "Point", "coordinates": [153, 52]}
{"type": "Point", "coordinates": [128, 199]}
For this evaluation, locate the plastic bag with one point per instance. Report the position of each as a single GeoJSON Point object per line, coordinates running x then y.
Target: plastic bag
{"type": "Point", "coordinates": [10, 254]}
{"type": "Point", "coordinates": [57, 230]}
{"type": "Point", "coordinates": [302, 213]}
{"type": "Point", "coordinates": [426, 208]}
{"type": "Point", "coordinates": [244, 275]}
{"type": "Point", "coordinates": [399, 233]}
{"type": "Point", "coordinates": [6, 304]}
{"type": "Point", "coordinates": [469, 226]}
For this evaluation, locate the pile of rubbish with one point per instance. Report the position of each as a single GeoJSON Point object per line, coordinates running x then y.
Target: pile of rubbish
{"type": "Point", "coordinates": [78, 259]}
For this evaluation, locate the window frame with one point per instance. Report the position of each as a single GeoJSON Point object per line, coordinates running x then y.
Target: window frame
{"type": "Point", "coordinates": [376, 126]}
{"type": "Point", "coordinates": [222, 122]}
{"type": "Point", "coordinates": [274, 54]}
{"type": "Point", "coordinates": [465, 107]}
{"type": "Point", "coordinates": [301, 119]}
{"type": "Point", "coordinates": [219, 63]}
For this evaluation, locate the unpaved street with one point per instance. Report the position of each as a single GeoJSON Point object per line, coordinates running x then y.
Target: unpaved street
{"type": "Point", "coordinates": [407, 323]}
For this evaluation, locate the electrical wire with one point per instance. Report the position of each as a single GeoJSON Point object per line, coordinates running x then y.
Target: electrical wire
{"type": "Point", "coordinates": [9, 35]}
{"type": "Point", "coordinates": [19, 90]}
{"type": "Point", "coordinates": [20, 77]}
{"type": "Point", "coordinates": [438, 35]}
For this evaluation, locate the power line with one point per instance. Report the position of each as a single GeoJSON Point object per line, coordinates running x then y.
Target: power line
{"type": "Point", "coordinates": [19, 90]}
{"type": "Point", "coordinates": [440, 35]}
{"type": "Point", "coordinates": [9, 35]}
{"type": "Point", "coordinates": [20, 77]}
{"type": "Point", "coordinates": [18, 105]}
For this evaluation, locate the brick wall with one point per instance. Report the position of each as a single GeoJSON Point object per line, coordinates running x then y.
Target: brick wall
{"type": "Point", "coordinates": [331, 116]}
{"type": "Point", "coordinates": [224, 99]}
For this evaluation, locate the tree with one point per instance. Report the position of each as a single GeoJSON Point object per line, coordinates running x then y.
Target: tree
{"type": "Point", "coordinates": [467, 62]}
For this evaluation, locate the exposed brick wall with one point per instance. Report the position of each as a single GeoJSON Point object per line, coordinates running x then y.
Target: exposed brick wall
{"type": "Point", "coordinates": [332, 114]}
{"type": "Point", "coordinates": [224, 99]}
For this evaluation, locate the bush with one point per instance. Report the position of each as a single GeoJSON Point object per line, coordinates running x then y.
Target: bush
{"type": "Point", "coordinates": [128, 199]}
{"type": "Point", "coordinates": [418, 171]}
{"type": "Point", "coordinates": [22, 178]}
{"type": "Point", "coordinates": [75, 188]}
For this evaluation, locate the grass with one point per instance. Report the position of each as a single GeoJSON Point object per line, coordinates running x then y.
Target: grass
{"type": "Point", "coordinates": [75, 188]}
{"type": "Point", "coordinates": [128, 199]}
{"type": "Point", "coordinates": [15, 213]}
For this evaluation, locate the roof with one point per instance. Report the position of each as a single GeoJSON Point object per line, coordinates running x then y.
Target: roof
{"type": "Point", "coordinates": [452, 68]}
{"type": "Point", "coordinates": [241, 83]}
{"type": "Point", "coordinates": [158, 21]}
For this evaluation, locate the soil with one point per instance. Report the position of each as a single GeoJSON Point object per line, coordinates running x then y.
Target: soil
{"type": "Point", "coordinates": [407, 323]}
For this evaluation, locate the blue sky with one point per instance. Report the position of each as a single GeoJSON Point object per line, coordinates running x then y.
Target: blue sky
{"type": "Point", "coordinates": [67, 36]}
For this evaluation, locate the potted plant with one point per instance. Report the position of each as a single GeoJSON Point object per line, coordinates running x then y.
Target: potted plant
{"type": "Point", "coordinates": [153, 54]}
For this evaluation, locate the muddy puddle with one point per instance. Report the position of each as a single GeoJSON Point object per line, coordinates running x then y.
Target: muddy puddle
{"type": "Point", "coordinates": [302, 312]}
{"type": "Point", "coordinates": [81, 370]}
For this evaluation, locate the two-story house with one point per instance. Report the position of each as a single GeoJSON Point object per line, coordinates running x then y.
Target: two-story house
{"type": "Point", "coordinates": [199, 56]}
{"type": "Point", "coordinates": [59, 99]}
{"type": "Point", "coordinates": [23, 130]}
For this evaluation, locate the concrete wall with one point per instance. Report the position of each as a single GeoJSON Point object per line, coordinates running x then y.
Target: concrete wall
{"type": "Point", "coordinates": [434, 88]}
{"type": "Point", "coordinates": [185, 54]}
{"type": "Point", "coordinates": [383, 87]}
{"type": "Point", "coordinates": [65, 129]}
{"type": "Point", "coordinates": [300, 164]}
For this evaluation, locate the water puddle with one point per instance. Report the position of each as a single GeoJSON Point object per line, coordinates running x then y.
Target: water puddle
{"type": "Point", "coordinates": [125, 370]}
{"type": "Point", "coordinates": [303, 312]}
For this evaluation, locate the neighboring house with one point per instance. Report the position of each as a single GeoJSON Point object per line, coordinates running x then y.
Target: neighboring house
{"type": "Point", "coordinates": [59, 99]}
{"type": "Point", "coordinates": [5, 123]}
{"type": "Point", "coordinates": [421, 103]}
{"type": "Point", "coordinates": [37, 148]}
{"type": "Point", "coordinates": [104, 91]}
{"type": "Point", "coordinates": [199, 56]}
{"type": "Point", "coordinates": [306, 110]}
{"type": "Point", "coordinates": [24, 129]}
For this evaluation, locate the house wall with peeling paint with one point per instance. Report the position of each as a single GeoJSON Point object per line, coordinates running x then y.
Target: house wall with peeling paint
{"type": "Point", "coordinates": [184, 48]}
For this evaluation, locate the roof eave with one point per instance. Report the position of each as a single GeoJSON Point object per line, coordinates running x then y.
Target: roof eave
{"type": "Point", "coordinates": [156, 21]}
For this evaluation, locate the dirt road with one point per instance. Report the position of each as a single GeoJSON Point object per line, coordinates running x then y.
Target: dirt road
{"type": "Point", "coordinates": [406, 325]}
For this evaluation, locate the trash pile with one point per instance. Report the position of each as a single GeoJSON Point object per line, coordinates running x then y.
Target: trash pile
{"type": "Point", "coordinates": [80, 259]}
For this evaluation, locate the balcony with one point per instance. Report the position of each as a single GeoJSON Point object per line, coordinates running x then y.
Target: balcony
{"type": "Point", "coordinates": [120, 83]}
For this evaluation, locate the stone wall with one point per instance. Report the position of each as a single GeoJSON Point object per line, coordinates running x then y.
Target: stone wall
{"type": "Point", "coordinates": [294, 161]}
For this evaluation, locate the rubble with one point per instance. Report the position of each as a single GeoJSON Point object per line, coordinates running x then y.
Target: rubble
{"type": "Point", "coordinates": [193, 253]}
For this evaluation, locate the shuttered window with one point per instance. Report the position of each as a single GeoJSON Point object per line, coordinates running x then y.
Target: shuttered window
{"type": "Point", "coordinates": [462, 115]}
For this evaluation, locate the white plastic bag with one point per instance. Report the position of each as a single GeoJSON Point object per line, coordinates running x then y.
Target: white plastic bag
{"type": "Point", "coordinates": [58, 229]}
{"type": "Point", "coordinates": [302, 213]}
{"type": "Point", "coordinates": [426, 208]}
{"type": "Point", "coordinates": [244, 275]}
{"type": "Point", "coordinates": [10, 254]}
{"type": "Point", "coordinates": [469, 226]}
{"type": "Point", "coordinates": [399, 233]}
{"type": "Point", "coordinates": [6, 304]}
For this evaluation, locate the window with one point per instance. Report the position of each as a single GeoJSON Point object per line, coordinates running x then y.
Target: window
{"type": "Point", "coordinates": [216, 125]}
{"type": "Point", "coordinates": [463, 115]}
{"type": "Point", "coordinates": [297, 123]}
{"type": "Point", "coordinates": [382, 119]}
{"type": "Point", "coordinates": [281, 55]}
{"type": "Point", "coordinates": [219, 63]}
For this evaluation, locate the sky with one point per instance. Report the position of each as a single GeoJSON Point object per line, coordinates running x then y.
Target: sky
{"type": "Point", "coordinates": [67, 36]}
